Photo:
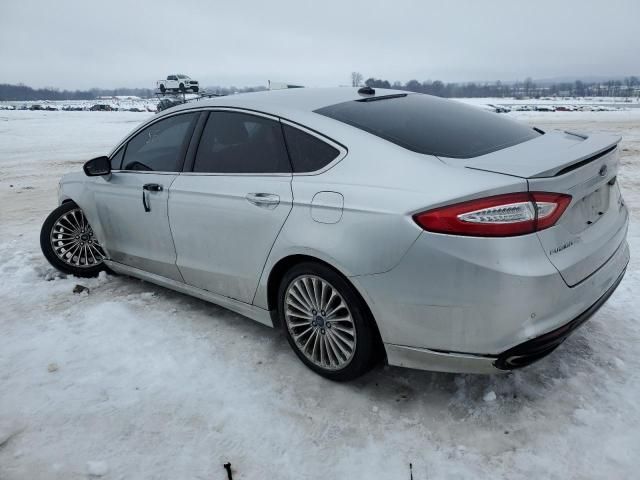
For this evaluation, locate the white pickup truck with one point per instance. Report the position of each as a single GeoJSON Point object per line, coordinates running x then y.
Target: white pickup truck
{"type": "Point", "coordinates": [178, 83]}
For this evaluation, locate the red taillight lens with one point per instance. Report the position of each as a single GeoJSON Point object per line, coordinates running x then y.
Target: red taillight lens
{"type": "Point", "coordinates": [498, 216]}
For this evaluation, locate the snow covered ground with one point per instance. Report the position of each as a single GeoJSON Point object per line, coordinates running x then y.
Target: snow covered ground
{"type": "Point", "coordinates": [133, 381]}
{"type": "Point", "coordinates": [616, 102]}
{"type": "Point", "coordinates": [150, 104]}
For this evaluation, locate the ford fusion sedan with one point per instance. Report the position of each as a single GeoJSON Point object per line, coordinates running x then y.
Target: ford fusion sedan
{"type": "Point", "coordinates": [367, 224]}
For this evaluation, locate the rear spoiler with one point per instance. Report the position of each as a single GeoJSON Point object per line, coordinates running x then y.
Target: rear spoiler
{"type": "Point", "coordinates": [549, 155]}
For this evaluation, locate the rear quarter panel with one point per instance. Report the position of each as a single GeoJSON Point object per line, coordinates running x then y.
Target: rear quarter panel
{"type": "Point", "coordinates": [383, 185]}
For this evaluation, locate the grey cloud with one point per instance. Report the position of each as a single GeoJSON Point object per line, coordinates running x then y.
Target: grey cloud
{"type": "Point", "coordinates": [82, 44]}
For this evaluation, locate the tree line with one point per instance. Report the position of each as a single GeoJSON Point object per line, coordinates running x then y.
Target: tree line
{"type": "Point", "coordinates": [629, 87]}
{"type": "Point", "coordinates": [22, 92]}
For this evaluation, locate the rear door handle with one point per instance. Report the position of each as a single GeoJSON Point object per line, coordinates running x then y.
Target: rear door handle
{"type": "Point", "coordinates": [149, 187]}
{"type": "Point", "coordinates": [264, 200]}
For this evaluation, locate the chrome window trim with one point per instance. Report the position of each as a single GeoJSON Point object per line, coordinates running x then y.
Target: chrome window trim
{"type": "Point", "coordinates": [145, 172]}
{"type": "Point", "coordinates": [199, 109]}
{"type": "Point", "coordinates": [208, 174]}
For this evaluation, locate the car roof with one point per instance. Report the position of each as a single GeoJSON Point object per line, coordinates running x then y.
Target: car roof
{"type": "Point", "coordinates": [286, 102]}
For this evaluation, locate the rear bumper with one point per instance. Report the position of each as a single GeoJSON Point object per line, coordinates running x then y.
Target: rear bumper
{"type": "Point", "coordinates": [516, 357]}
{"type": "Point", "coordinates": [462, 304]}
{"type": "Point", "coordinates": [533, 350]}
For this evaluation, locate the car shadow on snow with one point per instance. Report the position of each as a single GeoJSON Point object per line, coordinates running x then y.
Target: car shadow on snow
{"type": "Point", "coordinates": [487, 397]}
{"type": "Point", "coordinates": [395, 389]}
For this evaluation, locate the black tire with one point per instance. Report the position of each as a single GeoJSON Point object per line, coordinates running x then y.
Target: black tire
{"type": "Point", "coordinates": [195, 89]}
{"type": "Point", "coordinates": [48, 249]}
{"type": "Point", "coordinates": [163, 88]}
{"type": "Point", "coordinates": [181, 88]}
{"type": "Point", "coordinates": [364, 355]}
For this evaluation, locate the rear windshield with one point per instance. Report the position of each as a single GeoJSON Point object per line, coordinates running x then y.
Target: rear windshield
{"type": "Point", "coordinates": [432, 125]}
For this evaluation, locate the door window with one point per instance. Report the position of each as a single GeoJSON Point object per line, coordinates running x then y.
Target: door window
{"type": "Point", "coordinates": [160, 147]}
{"type": "Point", "coordinates": [116, 160]}
{"type": "Point", "coordinates": [235, 142]}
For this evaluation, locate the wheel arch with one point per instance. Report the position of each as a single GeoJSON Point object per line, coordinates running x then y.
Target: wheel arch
{"type": "Point", "coordinates": [283, 265]}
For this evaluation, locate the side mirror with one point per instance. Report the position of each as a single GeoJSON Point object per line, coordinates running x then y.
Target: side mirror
{"type": "Point", "coordinates": [97, 167]}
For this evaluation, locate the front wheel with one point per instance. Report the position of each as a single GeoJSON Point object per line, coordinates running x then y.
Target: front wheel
{"type": "Point", "coordinates": [68, 242]}
{"type": "Point", "coordinates": [326, 322]}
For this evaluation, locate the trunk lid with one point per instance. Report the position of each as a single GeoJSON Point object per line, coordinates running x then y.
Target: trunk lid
{"type": "Point", "coordinates": [595, 224]}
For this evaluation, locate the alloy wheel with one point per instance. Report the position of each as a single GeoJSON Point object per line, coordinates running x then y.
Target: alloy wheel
{"type": "Point", "coordinates": [73, 241]}
{"type": "Point", "coordinates": [320, 322]}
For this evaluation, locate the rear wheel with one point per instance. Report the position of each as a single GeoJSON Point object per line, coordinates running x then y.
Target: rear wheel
{"type": "Point", "coordinates": [163, 88]}
{"type": "Point", "coordinates": [181, 88]}
{"type": "Point", "coordinates": [69, 244]}
{"type": "Point", "coordinates": [326, 322]}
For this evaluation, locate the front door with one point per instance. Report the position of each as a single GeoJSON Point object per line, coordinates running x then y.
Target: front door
{"type": "Point", "coordinates": [227, 213]}
{"type": "Point", "coordinates": [131, 204]}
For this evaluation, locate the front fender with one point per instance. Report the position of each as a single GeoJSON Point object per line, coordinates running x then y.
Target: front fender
{"type": "Point", "coordinates": [76, 187]}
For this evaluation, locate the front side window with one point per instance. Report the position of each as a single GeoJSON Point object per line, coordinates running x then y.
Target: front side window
{"type": "Point", "coordinates": [308, 153]}
{"type": "Point", "coordinates": [160, 147]}
{"type": "Point", "coordinates": [235, 142]}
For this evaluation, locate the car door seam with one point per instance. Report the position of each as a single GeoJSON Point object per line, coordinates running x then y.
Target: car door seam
{"type": "Point", "coordinates": [173, 240]}
{"type": "Point", "coordinates": [266, 260]}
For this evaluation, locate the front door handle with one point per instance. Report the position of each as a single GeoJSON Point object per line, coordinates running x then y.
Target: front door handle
{"type": "Point", "coordinates": [149, 187]}
{"type": "Point", "coordinates": [264, 200]}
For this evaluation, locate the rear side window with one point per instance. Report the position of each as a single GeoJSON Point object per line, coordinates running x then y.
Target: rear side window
{"type": "Point", "coordinates": [308, 153]}
{"type": "Point", "coordinates": [431, 125]}
{"type": "Point", "coordinates": [241, 143]}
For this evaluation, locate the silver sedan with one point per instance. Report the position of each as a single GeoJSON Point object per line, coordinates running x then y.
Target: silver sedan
{"type": "Point", "coordinates": [367, 224]}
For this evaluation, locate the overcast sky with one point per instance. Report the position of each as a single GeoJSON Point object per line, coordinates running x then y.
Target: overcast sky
{"type": "Point", "coordinates": [82, 44]}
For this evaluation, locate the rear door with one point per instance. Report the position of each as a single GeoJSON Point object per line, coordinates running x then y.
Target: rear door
{"type": "Point", "coordinates": [131, 204]}
{"type": "Point", "coordinates": [227, 211]}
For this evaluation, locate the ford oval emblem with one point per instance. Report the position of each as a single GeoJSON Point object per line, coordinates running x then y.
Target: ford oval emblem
{"type": "Point", "coordinates": [603, 170]}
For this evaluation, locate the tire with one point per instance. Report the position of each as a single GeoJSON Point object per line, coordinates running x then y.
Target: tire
{"type": "Point", "coordinates": [163, 88]}
{"type": "Point", "coordinates": [181, 88]}
{"type": "Point", "coordinates": [195, 89]}
{"type": "Point", "coordinates": [67, 242]}
{"type": "Point", "coordinates": [322, 339]}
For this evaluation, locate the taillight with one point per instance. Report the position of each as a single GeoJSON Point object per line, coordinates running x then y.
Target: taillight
{"type": "Point", "coordinates": [498, 216]}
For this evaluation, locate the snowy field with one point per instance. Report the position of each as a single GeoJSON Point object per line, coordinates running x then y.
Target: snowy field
{"type": "Point", "coordinates": [133, 381]}
{"type": "Point", "coordinates": [150, 104]}
{"type": "Point", "coordinates": [613, 103]}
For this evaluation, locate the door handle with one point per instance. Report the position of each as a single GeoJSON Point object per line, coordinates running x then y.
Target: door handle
{"type": "Point", "coordinates": [264, 200]}
{"type": "Point", "coordinates": [149, 187]}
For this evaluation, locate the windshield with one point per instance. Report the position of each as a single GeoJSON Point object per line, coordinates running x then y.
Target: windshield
{"type": "Point", "coordinates": [431, 125]}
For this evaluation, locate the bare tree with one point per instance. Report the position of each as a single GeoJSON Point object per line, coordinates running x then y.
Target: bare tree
{"type": "Point", "coordinates": [356, 79]}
